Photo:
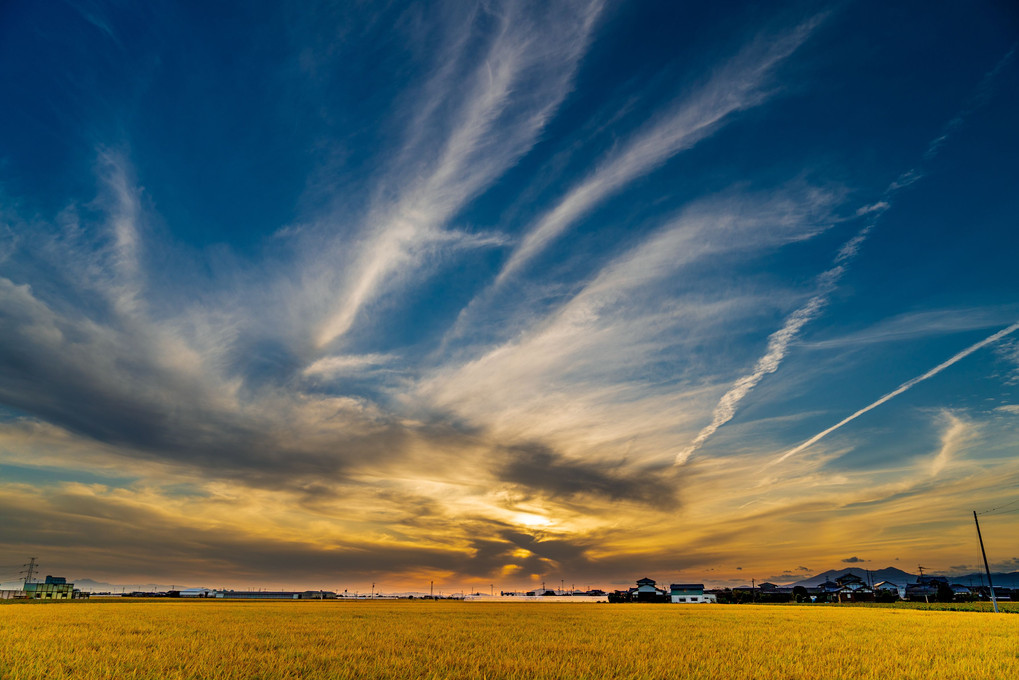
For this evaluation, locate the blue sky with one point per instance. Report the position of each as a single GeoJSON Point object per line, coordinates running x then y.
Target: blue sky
{"type": "Point", "coordinates": [516, 291]}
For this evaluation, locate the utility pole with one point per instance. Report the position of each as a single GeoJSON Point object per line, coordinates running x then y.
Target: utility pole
{"type": "Point", "coordinates": [987, 568]}
{"type": "Point", "coordinates": [431, 589]}
{"type": "Point", "coordinates": [373, 591]}
{"type": "Point", "coordinates": [30, 571]}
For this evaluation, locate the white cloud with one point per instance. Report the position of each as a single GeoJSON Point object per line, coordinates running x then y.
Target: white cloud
{"type": "Point", "coordinates": [577, 373]}
{"type": "Point", "coordinates": [740, 84]}
{"type": "Point", "coordinates": [956, 434]}
{"type": "Point", "coordinates": [514, 88]}
{"type": "Point", "coordinates": [333, 366]}
{"type": "Point", "coordinates": [878, 207]}
{"type": "Point", "coordinates": [914, 325]}
{"type": "Point", "coordinates": [1009, 352]}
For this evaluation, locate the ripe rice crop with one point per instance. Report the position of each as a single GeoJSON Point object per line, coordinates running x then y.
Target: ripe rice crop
{"type": "Point", "coordinates": [230, 639]}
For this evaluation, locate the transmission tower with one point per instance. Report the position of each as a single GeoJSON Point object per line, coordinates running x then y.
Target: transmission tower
{"type": "Point", "coordinates": [30, 568]}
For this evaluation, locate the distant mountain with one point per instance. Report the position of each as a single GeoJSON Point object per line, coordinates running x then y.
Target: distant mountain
{"type": "Point", "coordinates": [896, 576]}
{"type": "Point", "coordinates": [88, 585]}
{"type": "Point", "coordinates": [1001, 580]}
{"type": "Point", "coordinates": [901, 578]}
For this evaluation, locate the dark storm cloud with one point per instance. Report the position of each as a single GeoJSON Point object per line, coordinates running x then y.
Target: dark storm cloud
{"type": "Point", "coordinates": [853, 560]}
{"type": "Point", "coordinates": [540, 469]}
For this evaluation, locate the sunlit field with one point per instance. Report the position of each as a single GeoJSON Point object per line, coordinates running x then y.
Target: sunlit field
{"type": "Point", "coordinates": [217, 639]}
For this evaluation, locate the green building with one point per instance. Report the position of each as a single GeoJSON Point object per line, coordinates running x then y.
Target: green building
{"type": "Point", "coordinates": [55, 588]}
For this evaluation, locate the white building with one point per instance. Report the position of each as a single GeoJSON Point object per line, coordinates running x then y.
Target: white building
{"type": "Point", "coordinates": [689, 593]}
{"type": "Point", "coordinates": [198, 592]}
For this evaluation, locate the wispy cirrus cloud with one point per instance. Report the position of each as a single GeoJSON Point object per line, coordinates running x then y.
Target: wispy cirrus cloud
{"type": "Point", "coordinates": [827, 282]}
{"type": "Point", "coordinates": [318, 385]}
{"type": "Point", "coordinates": [956, 434]}
{"type": "Point", "coordinates": [514, 88]}
{"type": "Point", "coordinates": [743, 82]}
{"type": "Point", "coordinates": [592, 351]}
{"type": "Point", "coordinates": [913, 325]}
{"type": "Point", "coordinates": [740, 84]}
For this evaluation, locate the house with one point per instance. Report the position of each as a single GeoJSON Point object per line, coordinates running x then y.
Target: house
{"type": "Point", "coordinates": [647, 591]}
{"type": "Point", "coordinates": [824, 592]}
{"type": "Point", "coordinates": [961, 593]}
{"type": "Point", "coordinates": [925, 588]}
{"type": "Point", "coordinates": [984, 593]}
{"type": "Point", "coordinates": [851, 588]}
{"type": "Point", "coordinates": [689, 593]}
{"type": "Point", "coordinates": [850, 594]}
{"type": "Point", "coordinates": [850, 581]}
{"type": "Point", "coordinates": [887, 589]}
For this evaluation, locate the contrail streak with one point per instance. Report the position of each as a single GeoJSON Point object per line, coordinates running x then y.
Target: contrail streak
{"type": "Point", "coordinates": [900, 389]}
{"type": "Point", "coordinates": [778, 342]}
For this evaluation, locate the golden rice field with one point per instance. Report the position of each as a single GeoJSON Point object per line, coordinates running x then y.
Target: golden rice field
{"type": "Point", "coordinates": [217, 639]}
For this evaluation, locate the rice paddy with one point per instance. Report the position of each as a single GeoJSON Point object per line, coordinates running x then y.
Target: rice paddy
{"type": "Point", "coordinates": [270, 640]}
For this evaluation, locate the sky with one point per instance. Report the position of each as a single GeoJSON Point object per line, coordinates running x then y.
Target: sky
{"type": "Point", "coordinates": [327, 294]}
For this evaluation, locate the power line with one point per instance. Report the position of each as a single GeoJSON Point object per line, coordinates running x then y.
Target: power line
{"type": "Point", "coordinates": [1000, 512]}
{"type": "Point", "coordinates": [1011, 502]}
